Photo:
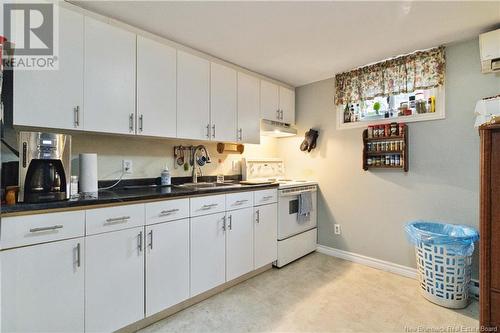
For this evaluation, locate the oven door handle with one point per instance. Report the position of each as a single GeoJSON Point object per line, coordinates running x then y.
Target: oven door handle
{"type": "Point", "coordinates": [292, 194]}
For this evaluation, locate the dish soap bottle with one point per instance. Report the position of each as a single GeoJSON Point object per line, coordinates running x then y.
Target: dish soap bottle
{"type": "Point", "coordinates": [165, 178]}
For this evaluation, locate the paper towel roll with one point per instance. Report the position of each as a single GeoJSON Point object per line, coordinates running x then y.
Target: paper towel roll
{"type": "Point", "coordinates": [88, 173]}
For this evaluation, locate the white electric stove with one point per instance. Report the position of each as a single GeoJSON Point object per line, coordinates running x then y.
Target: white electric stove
{"type": "Point", "coordinates": [296, 238]}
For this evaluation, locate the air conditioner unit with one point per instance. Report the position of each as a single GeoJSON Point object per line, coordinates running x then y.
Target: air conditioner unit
{"type": "Point", "coordinates": [489, 47]}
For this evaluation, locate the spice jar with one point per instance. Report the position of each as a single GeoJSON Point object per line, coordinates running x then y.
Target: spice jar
{"type": "Point", "coordinates": [401, 129]}
{"type": "Point", "coordinates": [11, 195]}
{"type": "Point", "coordinates": [394, 129]}
{"type": "Point", "coordinates": [387, 130]}
{"type": "Point", "coordinates": [370, 132]}
{"type": "Point", "coordinates": [369, 161]}
{"type": "Point", "coordinates": [387, 160]}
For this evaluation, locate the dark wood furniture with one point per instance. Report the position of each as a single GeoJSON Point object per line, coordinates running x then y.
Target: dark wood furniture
{"type": "Point", "coordinates": [489, 253]}
{"type": "Point", "coordinates": [382, 153]}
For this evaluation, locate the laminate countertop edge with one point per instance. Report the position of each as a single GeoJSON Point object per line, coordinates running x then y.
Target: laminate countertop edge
{"type": "Point", "coordinates": [75, 205]}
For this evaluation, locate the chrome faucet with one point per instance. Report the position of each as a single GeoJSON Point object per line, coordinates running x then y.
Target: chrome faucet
{"type": "Point", "coordinates": [198, 161]}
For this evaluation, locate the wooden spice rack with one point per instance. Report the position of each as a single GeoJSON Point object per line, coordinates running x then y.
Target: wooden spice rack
{"type": "Point", "coordinates": [381, 152]}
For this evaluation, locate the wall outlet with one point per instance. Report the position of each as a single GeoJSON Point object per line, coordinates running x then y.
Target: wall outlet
{"type": "Point", "coordinates": [336, 229]}
{"type": "Point", "coordinates": [127, 166]}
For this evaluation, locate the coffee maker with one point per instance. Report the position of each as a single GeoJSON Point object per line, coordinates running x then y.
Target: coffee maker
{"type": "Point", "coordinates": [44, 166]}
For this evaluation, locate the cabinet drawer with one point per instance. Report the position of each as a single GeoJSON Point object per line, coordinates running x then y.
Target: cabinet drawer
{"type": "Point", "coordinates": [40, 228]}
{"type": "Point", "coordinates": [114, 218]}
{"type": "Point", "coordinates": [208, 205]}
{"type": "Point", "coordinates": [163, 211]}
{"type": "Point", "coordinates": [265, 197]}
{"type": "Point", "coordinates": [239, 200]}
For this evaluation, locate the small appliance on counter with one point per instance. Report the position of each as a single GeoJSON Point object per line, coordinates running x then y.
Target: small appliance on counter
{"type": "Point", "coordinates": [44, 166]}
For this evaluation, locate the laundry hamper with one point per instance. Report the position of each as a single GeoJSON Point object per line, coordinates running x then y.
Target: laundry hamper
{"type": "Point", "coordinates": [444, 257]}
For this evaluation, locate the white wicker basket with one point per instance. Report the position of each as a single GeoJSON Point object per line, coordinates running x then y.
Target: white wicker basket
{"type": "Point", "coordinates": [444, 276]}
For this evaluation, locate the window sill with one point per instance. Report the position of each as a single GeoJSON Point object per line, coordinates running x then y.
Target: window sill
{"type": "Point", "coordinates": [402, 119]}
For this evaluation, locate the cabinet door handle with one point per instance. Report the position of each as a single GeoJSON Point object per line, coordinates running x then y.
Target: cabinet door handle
{"type": "Point", "coordinates": [139, 243]}
{"type": "Point", "coordinates": [141, 122]}
{"type": "Point", "coordinates": [281, 112]}
{"type": "Point", "coordinates": [257, 216]}
{"type": "Point", "coordinates": [267, 197]}
{"type": "Point", "coordinates": [208, 131]}
{"type": "Point", "coordinates": [240, 134]}
{"type": "Point", "coordinates": [209, 206]}
{"type": "Point", "coordinates": [223, 223]}
{"type": "Point", "coordinates": [278, 114]}
{"type": "Point", "coordinates": [117, 219]}
{"type": "Point", "coordinates": [213, 131]}
{"type": "Point", "coordinates": [239, 202]}
{"type": "Point", "coordinates": [77, 116]}
{"type": "Point", "coordinates": [168, 212]}
{"type": "Point", "coordinates": [54, 227]}
{"type": "Point", "coordinates": [151, 239]}
{"type": "Point", "coordinates": [230, 218]}
{"type": "Point", "coordinates": [78, 255]}
{"type": "Point", "coordinates": [131, 122]}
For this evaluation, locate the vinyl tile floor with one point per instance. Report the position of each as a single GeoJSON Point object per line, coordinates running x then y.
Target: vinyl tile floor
{"type": "Point", "coordinates": [319, 293]}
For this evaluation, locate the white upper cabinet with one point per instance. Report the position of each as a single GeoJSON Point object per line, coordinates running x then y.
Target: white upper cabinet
{"type": "Point", "coordinates": [54, 98]}
{"type": "Point", "coordinates": [193, 97]}
{"type": "Point", "coordinates": [109, 78]}
{"type": "Point", "coordinates": [277, 103]}
{"type": "Point", "coordinates": [248, 109]}
{"type": "Point", "coordinates": [156, 88]}
{"type": "Point", "coordinates": [43, 288]}
{"type": "Point", "coordinates": [287, 105]}
{"type": "Point", "coordinates": [269, 101]}
{"type": "Point", "coordinates": [223, 102]}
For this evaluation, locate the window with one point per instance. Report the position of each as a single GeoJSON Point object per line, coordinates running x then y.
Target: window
{"type": "Point", "coordinates": [407, 88]}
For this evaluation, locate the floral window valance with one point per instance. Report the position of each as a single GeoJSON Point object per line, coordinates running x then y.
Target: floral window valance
{"type": "Point", "coordinates": [404, 74]}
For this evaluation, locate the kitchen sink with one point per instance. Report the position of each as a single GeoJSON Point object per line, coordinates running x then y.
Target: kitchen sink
{"type": "Point", "coordinates": [208, 185]}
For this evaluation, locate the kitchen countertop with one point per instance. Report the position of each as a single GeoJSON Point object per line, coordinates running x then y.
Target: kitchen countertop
{"type": "Point", "coordinates": [123, 195]}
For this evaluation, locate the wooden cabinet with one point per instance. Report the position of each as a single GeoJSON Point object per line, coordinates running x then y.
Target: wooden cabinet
{"type": "Point", "coordinates": [167, 265]}
{"type": "Point", "coordinates": [54, 98]}
{"type": "Point", "coordinates": [287, 105]}
{"type": "Point", "coordinates": [239, 243]}
{"type": "Point", "coordinates": [156, 89]}
{"type": "Point", "coordinates": [248, 109]}
{"type": "Point", "coordinates": [43, 287]}
{"type": "Point", "coordinates": [193, 97]}
{"type": "Point", "coordinates": [223, 105]}
{"type": "Point", "coordinates": [109, 78]}
{"type": "Point", "coordinates": [490, 227]}
{"type": "Point", "coordinates": [208, 254]}
{"type": "Point", "coordinates": [277, 103]}
{"type": "Point", "coordinates": [114, 279]}
{"type": "Point", "coordinates": [269, 101]}
{"type": "Point", "coordinates": [265, 234]}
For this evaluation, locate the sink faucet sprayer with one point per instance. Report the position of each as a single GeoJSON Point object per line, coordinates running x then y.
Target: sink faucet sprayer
{"type": "Point", "coordinates": [200, 161]}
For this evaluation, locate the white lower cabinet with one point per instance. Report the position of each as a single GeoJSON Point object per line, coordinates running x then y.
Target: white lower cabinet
{"type": "Point", "coordinates": [167, 265]}
{"type": "Point", "coordinates": [42, 288]}
{"type": "Point", "coordinates": [265, 235]}
{"type": "Point", "coordinates": [114, 279]}
{"type": "Point", "coordinates": [239, 243]}
{"type": "Point", "coordinates": [208, 253]}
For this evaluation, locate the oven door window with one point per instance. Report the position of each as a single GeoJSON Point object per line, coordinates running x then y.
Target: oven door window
{"type": "Point", "coordinates": [293, 206]}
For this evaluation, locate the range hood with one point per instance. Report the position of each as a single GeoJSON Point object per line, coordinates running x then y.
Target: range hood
{"type": "Point", "coordinates": [276, 129]}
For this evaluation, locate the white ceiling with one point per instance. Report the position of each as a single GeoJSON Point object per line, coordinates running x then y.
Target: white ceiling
{"type": "Point", "coordinates": [303, 42]}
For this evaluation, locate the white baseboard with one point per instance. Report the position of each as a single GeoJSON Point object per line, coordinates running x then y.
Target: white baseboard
{"type": "Point", "coordinates": [381, 264]}
{"type": "Point", "coordinates": [368, 261]}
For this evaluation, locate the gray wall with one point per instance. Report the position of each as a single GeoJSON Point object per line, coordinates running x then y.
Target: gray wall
{"type": "Point", "coordinates": [373, 206]}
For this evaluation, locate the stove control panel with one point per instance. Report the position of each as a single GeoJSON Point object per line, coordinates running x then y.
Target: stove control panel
{"type": "Point", "coordinates": [268, 168]}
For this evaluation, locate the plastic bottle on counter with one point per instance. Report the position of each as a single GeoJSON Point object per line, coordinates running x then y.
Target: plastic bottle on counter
{"type": "Point", "coordinates": [165, 177]}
